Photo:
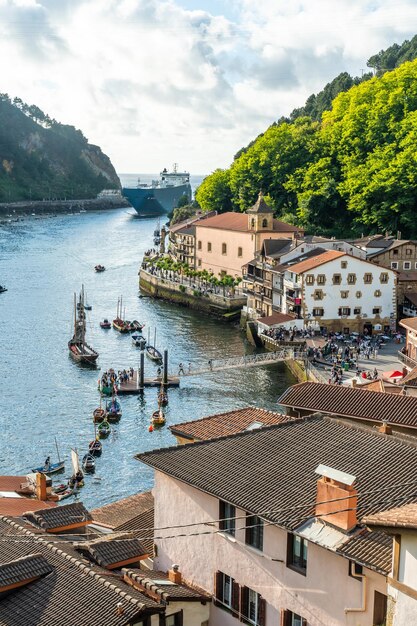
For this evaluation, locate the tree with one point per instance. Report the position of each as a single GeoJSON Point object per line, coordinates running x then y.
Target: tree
{"type": "Point", "coordinates": [214, 193]}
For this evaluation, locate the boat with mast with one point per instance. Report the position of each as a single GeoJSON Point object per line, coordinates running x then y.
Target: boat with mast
{"type": "Point", "coordinates": [151, 351]}
{"type": "Point", "coordinates": [78, 348]}
{"type": "Point", "coordinates": [119, 323]}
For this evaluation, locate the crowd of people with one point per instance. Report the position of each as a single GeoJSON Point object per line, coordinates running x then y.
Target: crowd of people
{"type": "Point", "coordinates": [111, 379]}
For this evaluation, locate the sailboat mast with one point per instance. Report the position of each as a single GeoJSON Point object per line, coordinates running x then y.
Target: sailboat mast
{"type": "Point", "coordinates": [75, 314]}
{"type": "Point", "coordinates": [57, 450]}
{"type": "Point", "coordinates": [121, 305]}
{"type": "Point", "coordinates": [154, 339]}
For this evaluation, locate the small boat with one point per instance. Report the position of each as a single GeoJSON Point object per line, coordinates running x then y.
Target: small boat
{"type": "Point", "coordinates": [113, 409]}
{"type": "Point", "coordinates": [2, 289]}
{"type": "Point", "coordinates": [120, 324]}
{"type": "Point", "coordinates": [162, 397]}
{"type": "Point", "coordinates": [88, 463]}
{"type": "Point", "coordinates": [158, 418]}
{"type": "Point", "coordinates": [95, 447]}
{"type": "Point", "coordinates": [61, 492]}
{"type": "Point", "coordinates": [100, 268]}
{"type": "Point", "coordinates": [138, 341]}
{"type": "Point", "coordinates": [103, 429]}
{"type": "Point", "coordinates": [50, 468]}
{"type": "Point", "coordinates": [87, 307]}
{"type": "Point", "coordinates": [135, 326]}
{"type": "Point", "coordinates": [77, 479]}
{"type": "Point", "coordinates": [105, 324]}
{"type": "Point", "coordinates": [78, 348]}
{"type": "Point", "coordinates": [153, 353]}
{"type": "Point", "coordinates": [99, 414]}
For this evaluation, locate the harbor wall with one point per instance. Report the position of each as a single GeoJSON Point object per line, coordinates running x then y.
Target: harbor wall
{"type": "Point", "coordinates": [224, 307]}
{"type": "Point", "coordinates": [44, 207]}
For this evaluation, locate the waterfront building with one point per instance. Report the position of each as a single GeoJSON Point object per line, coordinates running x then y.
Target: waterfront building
{"type": "Point", "coordinates": [410, 349]}
{"type": "Point", "coordinates": [335, 291]}
{"type": "Point", "coordinates": [277, 535]}
{"type": "Point", "coordinates": [226, 242]}
{"type": "Point", "coordinates": [401, 524]}
{"type": "Point", "coordinates": [182, 238]}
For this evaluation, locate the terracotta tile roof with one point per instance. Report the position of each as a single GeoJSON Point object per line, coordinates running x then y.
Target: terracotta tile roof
{"type": "Point", "coordinates": [189, 221]}
{"type": "Point", "coordinates": [153, 580]}
{"type": "Point", "coordinates": [23, 568]}
{"type": "Point", "coordinates": [72, 594]}
{"type": "Point", "coordinates": [117, 549]}
{"type": "Point", "coordinates": [399, 517]}
{"type": "Point", "coordinates": [315, 261]}
{"type": "Point", "coordinates": [410, 378]}
{"type": "Point", "coordinates": [371, 549]}
{"type": "Point", "coordinates": [260, 205]}
{"type": "Point", "coordinates": [228, 423]}
{"type": "Point", "coordinates": [141, 526]}
{"type": "Point", "coordinates": [352, 402]}
{"type": "Point", "coordinates": [276, 318]}
{"type": "Point", "coordinates": [11, 483]}
{"type": "Point", "coordinates": [118, 513]}
{"type": "Point", "coordinates": [374, 385]}
{"type": "Point", "coordinates": [239, 221]}
{"type": "Point", "coordinates": [270, 472]}
{"type": "Point", "coordinates": [65, 515]}
{"type": "Point", "coordinates": [412, 296]}
{"type": "Point", "coordinates": [15, 507]}
{"type": "Point", "coordinates": [276, 247]}
{"type": "Point", "coordinates": [407, 277]}
{"type": "Point", "coordinates": [409, 323]}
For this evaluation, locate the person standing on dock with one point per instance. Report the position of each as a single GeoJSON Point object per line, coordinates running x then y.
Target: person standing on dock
{"type": "Point", "coordinates": [180, 369]}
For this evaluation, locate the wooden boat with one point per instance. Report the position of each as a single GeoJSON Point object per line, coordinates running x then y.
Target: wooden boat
{"type": "Point", "coordinates": [153, 354]}
{"type": "Point", "coordinates": [51, 468]}
{"type": "Point", "coordinates": [103, 429]}
{"type": "Point", "coordinates": [2, 289]}
{"type": "Point", "coordinates": [113, 409]}
{"type": "Point", "coordinates": [88, 463]}
{"type": "Point", "coordinates": [120, 324]}
{"type": "Point", "coordinates": [138, 341]}
{"type": "Point", "coordinates": [158, 418]}
{"type": "Point", "coordinates": [78, 348]}
{"type": "Point", "coordinates": [136, 327]}
{"type": "Point", "coordinates": [100, 268]}
{"type": "Point", "coordinates": [77, 479]}
{"type": "Point", "coordinates": [105, 324]}
{"type": "Point", "coordinates": [61, 492]}
{"type": "Point", "coordinates": [95, 447]}
{"type": "Point", "coordinates": [162, 397]}
{"type": "Point", "coordinates": [99, 414]}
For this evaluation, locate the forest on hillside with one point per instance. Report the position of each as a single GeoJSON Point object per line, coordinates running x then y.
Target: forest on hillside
{"type": "Point", "coordinates": [344, 168]}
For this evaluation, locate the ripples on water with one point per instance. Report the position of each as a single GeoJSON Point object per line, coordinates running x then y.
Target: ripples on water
{"type": "Point", "coordinates": [45, 394]}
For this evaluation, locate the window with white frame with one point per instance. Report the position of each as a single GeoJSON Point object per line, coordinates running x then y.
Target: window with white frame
{"type": "Point", "coordinates": [252, 607]}
{"type": "Point", "coordinates": [407, 265]}
{"type": "Point", "coordinates": [394, 265]}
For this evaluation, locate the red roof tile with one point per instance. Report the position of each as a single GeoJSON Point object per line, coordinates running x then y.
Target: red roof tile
{"type": "Point", "coordinates": [239, 221]}
{"type": "Point", "coordinates": [15, 507]}
{"type": "Point", "coordinates": [401, 516]}
{"type": "Point", "coordinates": [320, 259]}
{"type": "Point", "coordinates": [122, 511]}
{"type": "Point", "coordinates": [409, 322]}
{"type": "Point", "coordinates": [11, 483]}
{"type": "Point", "coordinates": [276, 318]}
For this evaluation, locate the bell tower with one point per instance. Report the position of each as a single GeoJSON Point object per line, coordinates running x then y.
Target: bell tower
{"type": "Point", "coordinates": [260, 216]}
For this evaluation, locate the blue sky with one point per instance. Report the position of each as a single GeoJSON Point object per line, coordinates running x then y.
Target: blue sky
{"type": "Point", "coordinates": [154, 82]}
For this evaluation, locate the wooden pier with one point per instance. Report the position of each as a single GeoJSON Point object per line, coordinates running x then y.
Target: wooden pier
{"type": "Point", "coordinates": [133, 386]}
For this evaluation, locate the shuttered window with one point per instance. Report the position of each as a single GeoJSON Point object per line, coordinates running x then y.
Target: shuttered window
{"type": "Point", "coordinates": [226, 593]}
{"type": "Point", "coordinates": [252, 607]}
{"type": "Point", "coordinates": [288, 618]}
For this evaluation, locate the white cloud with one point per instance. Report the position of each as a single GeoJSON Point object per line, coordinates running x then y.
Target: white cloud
{"type": "Point", "coordinates": [152, 82]}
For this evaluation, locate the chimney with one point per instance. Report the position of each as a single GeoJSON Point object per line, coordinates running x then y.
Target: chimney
{"type": "Point", "coordinates": [336, 499]}
{"type": "Point", "coordinates": [398, 234]}
{"type": "Point", "coordinates": [385, 428]}
{"type": "Point", "coordinates": [174, 574]}
{"type": "Point", "coordinates": [40, 489]}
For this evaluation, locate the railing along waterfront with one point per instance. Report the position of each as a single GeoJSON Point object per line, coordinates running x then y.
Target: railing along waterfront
{"type": "Point", "coordinates": [252, 360]}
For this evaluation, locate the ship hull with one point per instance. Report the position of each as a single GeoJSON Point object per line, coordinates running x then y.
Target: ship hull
{"type": "Point", "coordinates": [157, 200]}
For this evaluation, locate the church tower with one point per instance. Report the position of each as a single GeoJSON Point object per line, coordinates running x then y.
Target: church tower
{"type": "Point", "coordinates": [260, 216]}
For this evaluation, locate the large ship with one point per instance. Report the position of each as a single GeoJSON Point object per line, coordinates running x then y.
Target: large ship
{"type": "Point", "coordinates": [162, 195]}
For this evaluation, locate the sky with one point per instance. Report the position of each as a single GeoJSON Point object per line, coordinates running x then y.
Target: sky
{"type": "Point", "coordinates": [153, 82]}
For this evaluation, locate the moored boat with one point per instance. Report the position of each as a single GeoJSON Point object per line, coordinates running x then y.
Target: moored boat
{"type": "Point", "coordinates": [99, 414]}
{"type": "Point", "coordinates": [50, 468]}
{"type": "Point", "coordinates": [78, 348]}
{"type": "Point", "coordinates": [103, 429]}
{"type": "Point", "coordinates": [113, 409]}
{"type": "Point", "coordinates": [2, 289]}
{"type": "Point", "coordinates": [153, 353]}
{"type": "Point", "coordinates": [95, 447]}
{"type": "Point", "coordinates": [138, 341]}
{"type": "Point", "coordinates": [88, 463]}
{"type": "Point", "coordinates": [105, 324]}
{"type": "Point", "coordinates": [100, 268]}
{"type": "Point", "coordinates": [162, 397]}
{"type": "Point", "coordinates": [158, 418]}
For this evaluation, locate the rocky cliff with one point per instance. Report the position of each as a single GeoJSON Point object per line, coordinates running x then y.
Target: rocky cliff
{"type": "Point", "coordinates": [41, 159]}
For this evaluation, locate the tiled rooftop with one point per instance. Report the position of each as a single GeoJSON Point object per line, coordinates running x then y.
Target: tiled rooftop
{"type": "Point", "coordinates": [159, 583]}
{"type": "Point", "coordinates": [239, 222]}
{"type": "Point", "coordinates": [314, 261]}
{"type": "Point", "coordinates": [398, 517]}
{"type": "Point", "coordinates": [72, 594]}
{"type": "Point", "coordinates": [371, 549]}
{"type": "Point", "coordinates": [65, 515]}
{"type": "Point", "coordinates": [352, 402]}
{"type": "Point", "coordinates": [409, 323]}
{"type": "Point", "coordinates": [23, 568]}
{"type": "Point", "coordinates": [122, 511]}
{"type": "Point", "coordinates": [15, 507]}
{"type": "Point", "coordinates": [117, 549]}
{"type": "Point", "coordinates": [142, 526]}
{"type": "Point", "coordinates": [228, 423]}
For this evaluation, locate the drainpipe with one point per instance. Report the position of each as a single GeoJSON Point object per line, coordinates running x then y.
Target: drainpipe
{"type": "Point", "coordinates": [363, 578]}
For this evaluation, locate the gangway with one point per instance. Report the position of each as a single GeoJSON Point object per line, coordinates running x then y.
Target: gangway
{"type": "Point", "coordinates": [250, 360]}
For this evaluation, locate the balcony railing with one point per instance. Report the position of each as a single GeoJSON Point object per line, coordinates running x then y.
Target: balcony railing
{"type": "Point", "coordinates": [407, 360]}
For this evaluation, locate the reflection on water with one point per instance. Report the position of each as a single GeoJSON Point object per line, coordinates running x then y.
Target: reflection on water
{"type": "Point", "coordinates": [45, 394]}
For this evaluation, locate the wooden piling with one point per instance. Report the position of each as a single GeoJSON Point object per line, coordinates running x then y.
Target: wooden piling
{"type": "Point", "coordinates": [165, 372]}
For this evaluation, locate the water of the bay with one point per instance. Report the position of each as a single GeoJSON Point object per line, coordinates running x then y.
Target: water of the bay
{"type": "Point", "coordinates": [44, 394]}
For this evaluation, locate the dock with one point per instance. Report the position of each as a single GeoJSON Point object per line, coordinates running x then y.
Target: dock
{"type": "Point", "coordinates": [133, 385]}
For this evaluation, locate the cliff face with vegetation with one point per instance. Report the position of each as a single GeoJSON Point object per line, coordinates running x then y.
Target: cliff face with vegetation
{"type": "Point", "coordinates": [342, 171]}
{"type": "Point", "coordinates": [43, 159]}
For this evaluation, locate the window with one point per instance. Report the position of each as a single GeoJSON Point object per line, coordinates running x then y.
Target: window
{"type": "Point", "coordinates": [394, 265]}
{"type": "Point", "coordinates": [356, 568]}
{"type": "Point", "coordinates": [239, 251]}
{"type": "Point", "coordinates": [318, 312]}
{"type": "Point", "coordinates": [310, 279]}
{"type": "Point", "coordinates": [395, 252]}
{"type": "Point", "coordinates": [199, 262]}
{"type": "Point", "coordinates": [252, 223]}
{"type": "Point", "coordinates": [409, 251]}
{"type": "Point", "coordinates": [384, 277]}
{"type": "Point", "coordinates": [337, 279]}
{"type": "Point", "coordinates": [224, 248]}
{"type": "Point", "coordinates": [252, 606]}
{"type": "Point", "coordinates": [318, 294]}
{"type": "Point", "coordinates": [407, 265]}
{"type": "Point", "coordinates": [344, 310]}
{"type": "Point", "coordinates": [351, 279]}
{"type": "Point", "coordinates": [176, 619]}
{"type": "Point", "coordinates": [199, 244]}
{"type": "Point", "coordinates": [380, 609]}
{"type": "Point", "coordinates": [344, 294]}
{"type": "Point", "coordinates": [297, 553]}
{"type": "Point", "coordinates": [209, 246]}
{"type": "Point", "coordinates": [321, 279]}
{"type": "Point", "coordinates": [343, 265]}
{"type": "Point", "coordinates": [367, 278]}
{"type": "Point", "coordinates": [264, 223]}
{"type": "Point", "coordinates": [359, 294]}
{"type": "Point", "coordinates": [292, 619]}
{"type": "Point", "coordinates": [226, 592]}
{"type": "Point", "coordinates": [227, 514]}
{"type": "Point", "coordinates": [357, 310]}
{"type": "Point", "coordinates": [254, 531]}
{"type": "Point", "coordinates": [377, 293]}
{"type": "Point", "coordinates": [376, 310]}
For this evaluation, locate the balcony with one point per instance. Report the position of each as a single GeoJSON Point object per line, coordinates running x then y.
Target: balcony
{"type": "Point", "coordinates": [407, 360]}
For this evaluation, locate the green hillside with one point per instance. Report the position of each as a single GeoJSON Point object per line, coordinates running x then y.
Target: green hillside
{"type": "Point", "coordinates": [354, 171]}
{"type": "Point", "coordinates": [43, 159]}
